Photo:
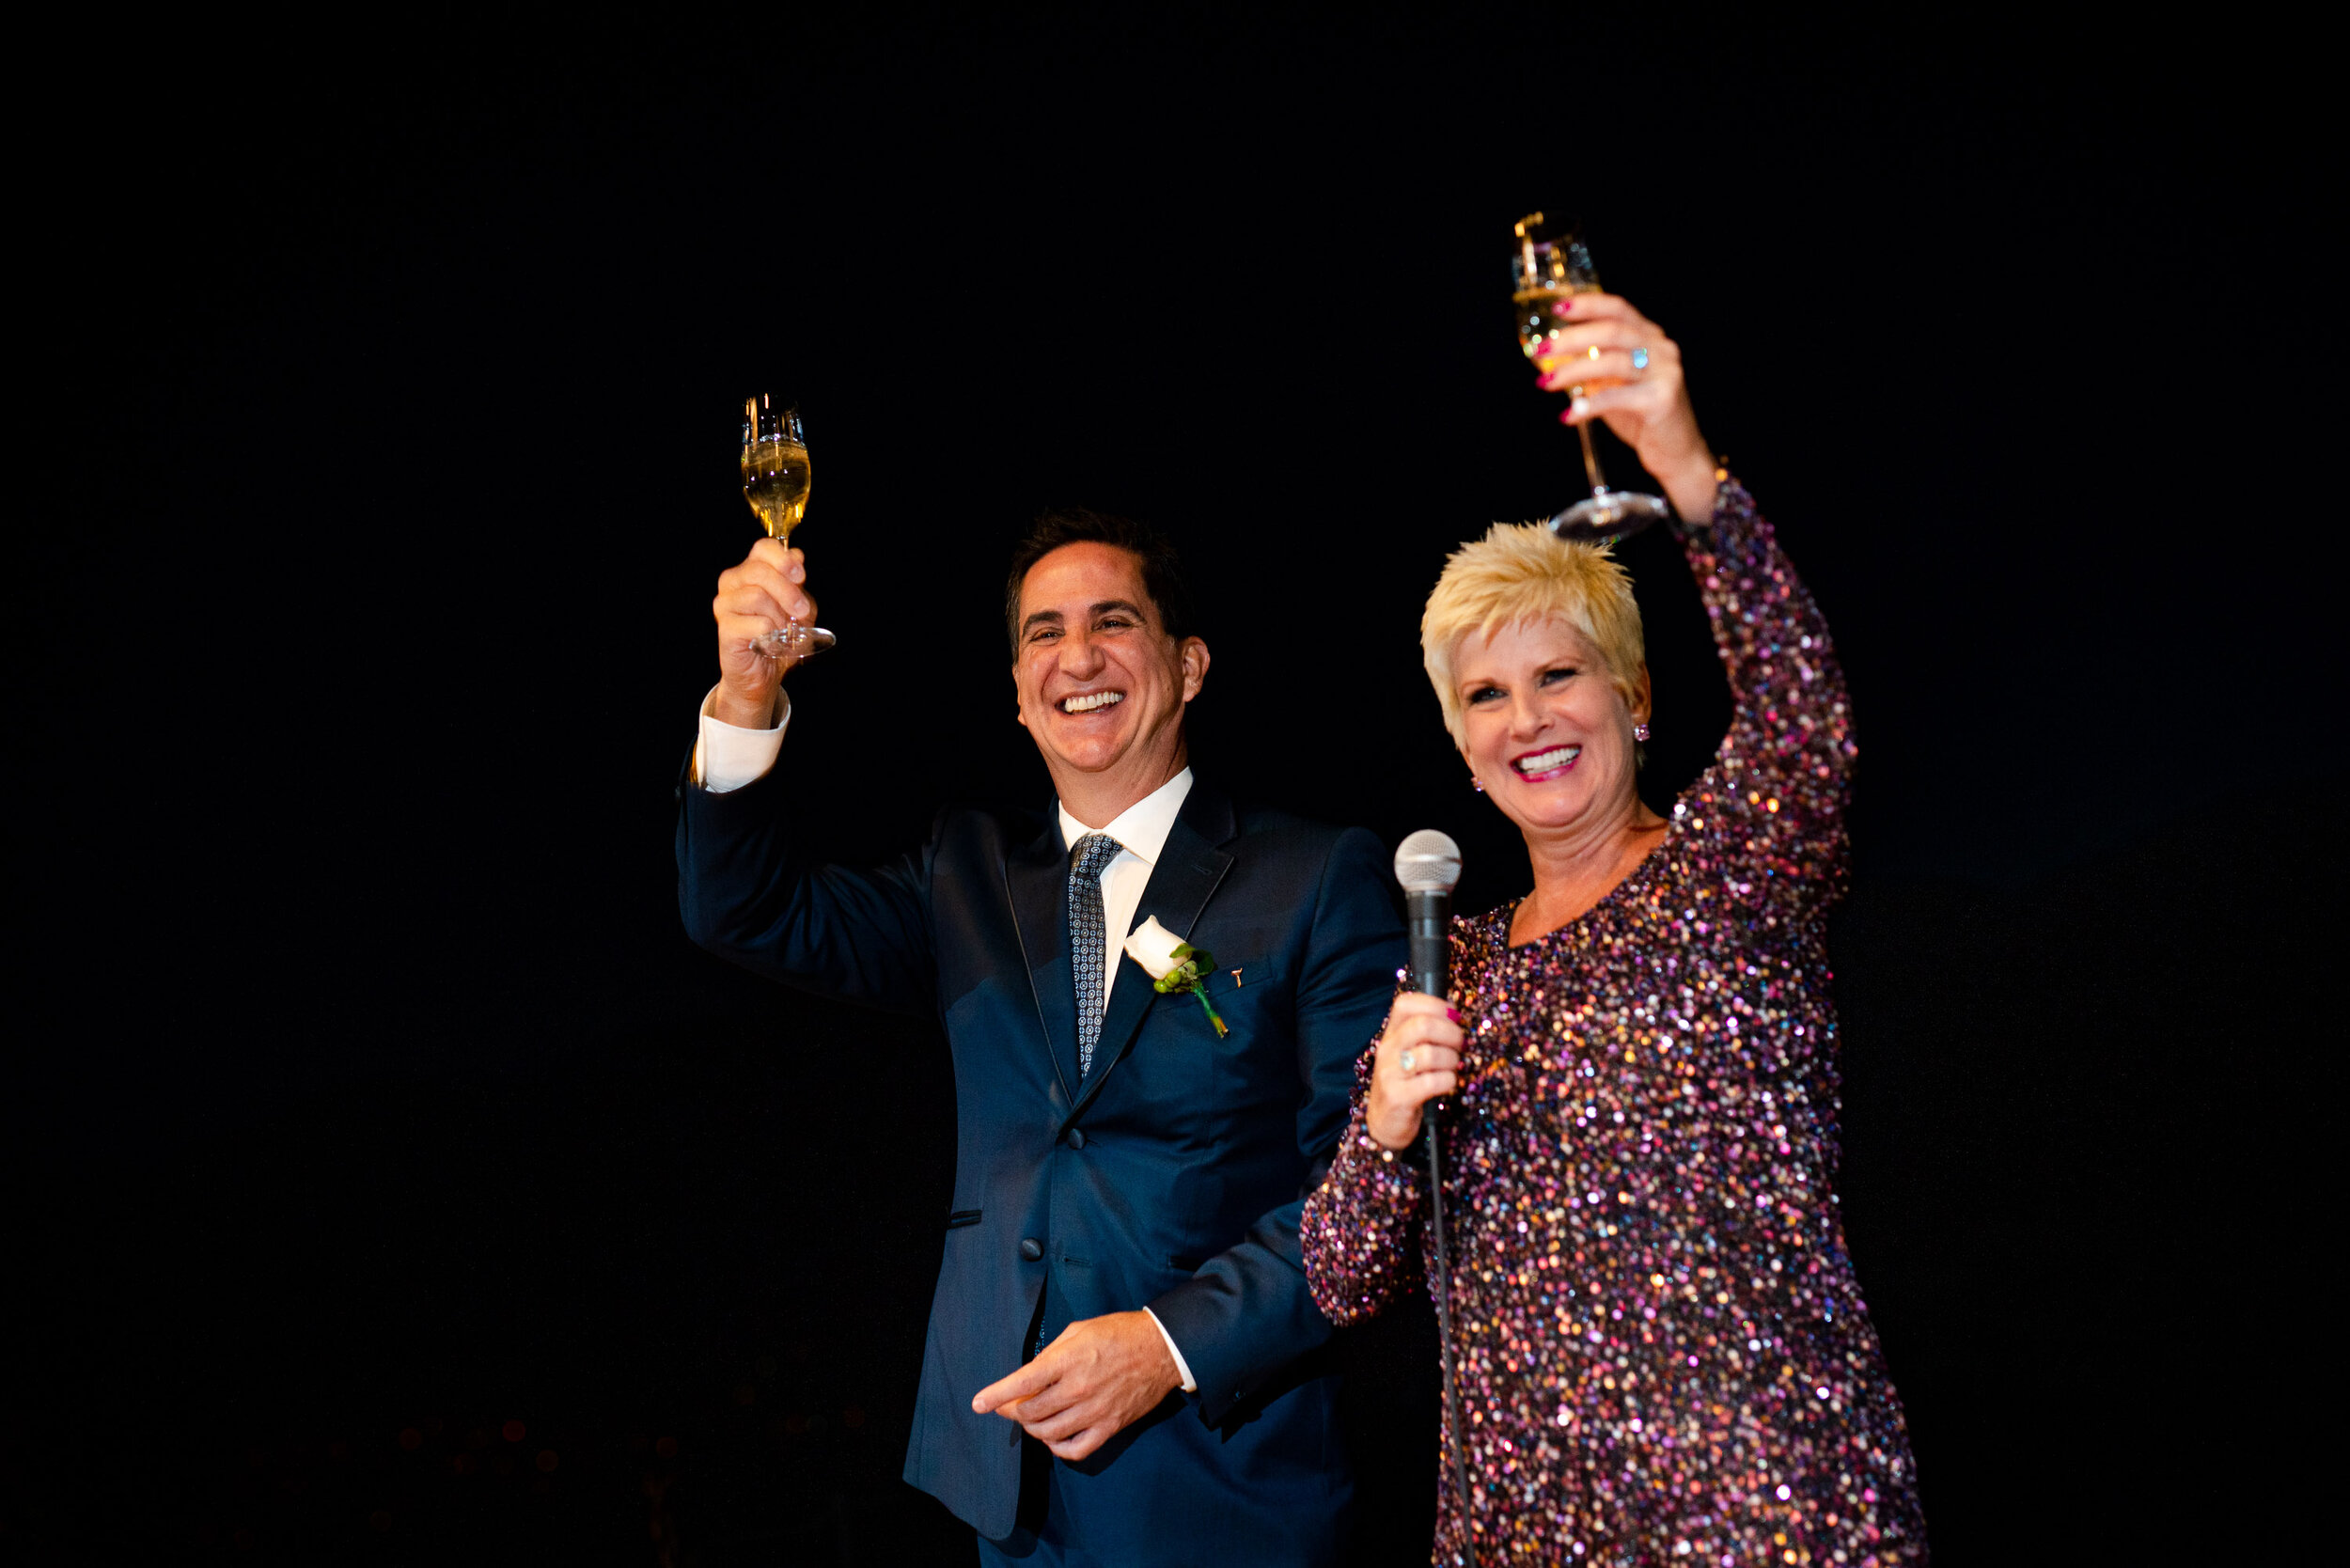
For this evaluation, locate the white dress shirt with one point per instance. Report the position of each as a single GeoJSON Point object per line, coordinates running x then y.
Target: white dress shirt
{"type": "Point", "coordinates": [727, 757]}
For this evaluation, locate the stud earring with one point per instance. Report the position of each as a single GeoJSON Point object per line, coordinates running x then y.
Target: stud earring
{"type": "Point", "coordinates": [1640, 730]}
{"type": "Point", "coordinates": [1476, 783]}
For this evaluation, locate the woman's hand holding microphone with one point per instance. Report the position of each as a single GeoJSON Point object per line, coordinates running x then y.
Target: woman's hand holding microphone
{"type": "Point", "coordinates": [1418, 1059]}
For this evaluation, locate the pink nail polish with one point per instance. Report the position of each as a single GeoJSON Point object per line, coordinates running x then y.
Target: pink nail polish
{"type": "Point", "coordinates": [1453, 1013]}
{"type": "Point", "coordinates": [1560, 308]}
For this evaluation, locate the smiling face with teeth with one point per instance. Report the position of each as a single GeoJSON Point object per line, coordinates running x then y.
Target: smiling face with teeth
{"type": "Point", "coordinates": [1547, 732]}
{"type": "Point", "coordinates": [1102, 684]}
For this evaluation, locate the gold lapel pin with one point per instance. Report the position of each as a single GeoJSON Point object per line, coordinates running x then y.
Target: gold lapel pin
{"type": "Point", "coordinates": [1236, 979]}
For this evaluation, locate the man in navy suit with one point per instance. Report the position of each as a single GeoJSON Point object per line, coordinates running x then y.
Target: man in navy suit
{"type": "Point", "coordinates": [1121, 1365]}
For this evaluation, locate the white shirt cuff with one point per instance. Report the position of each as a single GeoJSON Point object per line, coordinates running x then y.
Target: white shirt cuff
{"type": "Point", "coordinates": [727, 757]}
{"type": "Point", "coordinates": [1182, 1371]}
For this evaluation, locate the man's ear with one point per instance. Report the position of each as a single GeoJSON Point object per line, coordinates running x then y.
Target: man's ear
{"type": "Point", "coordinates": [1195, 656]}
{"type": "Point", "coordinates": [1019, 709]}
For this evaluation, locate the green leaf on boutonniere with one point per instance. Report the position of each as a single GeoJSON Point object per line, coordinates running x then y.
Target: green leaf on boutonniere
{"type": "Point", "coordinates": [1191, 970]}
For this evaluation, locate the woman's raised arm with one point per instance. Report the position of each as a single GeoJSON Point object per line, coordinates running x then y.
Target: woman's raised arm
{"type": "Point", "coordinates": [1791, 709]}
{"type": "Point", "coordinates": [1780, 782]}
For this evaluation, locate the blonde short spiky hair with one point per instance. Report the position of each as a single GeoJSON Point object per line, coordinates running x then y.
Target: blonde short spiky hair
{"type": "Point", "coordinates": [1520, 574]}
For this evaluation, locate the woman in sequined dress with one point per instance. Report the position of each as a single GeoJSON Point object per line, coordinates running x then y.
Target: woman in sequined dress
{"type": "Point", "coordinates": [1662, 1352]}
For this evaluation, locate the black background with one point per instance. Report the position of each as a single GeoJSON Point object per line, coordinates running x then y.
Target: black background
{"type": "Point", "coordinates": [377, 408]}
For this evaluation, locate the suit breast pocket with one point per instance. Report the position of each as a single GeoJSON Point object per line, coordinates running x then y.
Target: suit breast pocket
{"type": "Point", "coordinates": [1236, 979]}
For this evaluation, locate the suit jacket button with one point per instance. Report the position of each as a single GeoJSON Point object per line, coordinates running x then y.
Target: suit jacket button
{"type": "Point", "coordinates": [1077, 1137]}
{"type": "Point", "coordinates": [1031, 1249]}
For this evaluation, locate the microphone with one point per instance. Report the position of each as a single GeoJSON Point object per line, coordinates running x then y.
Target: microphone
{"type": "Point", "coordinates": [1427, 864]}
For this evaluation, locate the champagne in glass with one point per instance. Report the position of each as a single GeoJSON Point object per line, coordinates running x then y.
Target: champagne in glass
{"type": "Point", "coordinates": [1551, 264]}
{"type": "Point", "coordinates": [775, 483]}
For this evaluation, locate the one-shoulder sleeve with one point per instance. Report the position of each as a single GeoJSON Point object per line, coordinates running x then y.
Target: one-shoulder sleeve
{"type": "Point", "coordinates": [1360, 1229]}
{"type": "Point", "coordinates": [1783, 774]}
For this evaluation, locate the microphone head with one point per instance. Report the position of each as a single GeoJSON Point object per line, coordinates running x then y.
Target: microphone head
{"type": "Point", "coordinates": [1428, 862]}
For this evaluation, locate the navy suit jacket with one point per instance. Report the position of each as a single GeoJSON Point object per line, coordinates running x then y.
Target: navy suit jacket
{"type": "Point", "coordinates": [1170, 1177]}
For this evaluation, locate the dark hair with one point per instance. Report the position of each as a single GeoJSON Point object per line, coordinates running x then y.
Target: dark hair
{"type": "Point", "coordinates": [1162, 569]}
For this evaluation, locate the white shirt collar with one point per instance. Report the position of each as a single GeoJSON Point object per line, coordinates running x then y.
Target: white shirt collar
{"type": "Point", "coordinates": [1141, 829]}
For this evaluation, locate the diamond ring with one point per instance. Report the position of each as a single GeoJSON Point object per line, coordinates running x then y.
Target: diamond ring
{"type": "Point", "coordinates": [1404, 1061]}
{"type": "Point", "coordinates": [1639, 359]}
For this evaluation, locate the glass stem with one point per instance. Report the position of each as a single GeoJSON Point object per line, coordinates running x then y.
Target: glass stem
{"type": "Point", "coordinates": [784, 538]}
{"type": "Point", "coordinates": [1590, 462]}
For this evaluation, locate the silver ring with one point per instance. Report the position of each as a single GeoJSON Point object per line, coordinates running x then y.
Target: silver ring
{"type": "Point", "coordinates": [1404, 1061]}
{"type": "Point", "coordinates": [1639, 359]}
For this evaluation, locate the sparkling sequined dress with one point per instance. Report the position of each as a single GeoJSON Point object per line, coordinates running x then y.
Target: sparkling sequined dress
{"type": "Point", "coordinates": [1663, 1351]}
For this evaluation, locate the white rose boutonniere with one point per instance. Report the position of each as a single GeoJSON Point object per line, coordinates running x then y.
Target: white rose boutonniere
{"type": "Point", "coordinates": [1173, 964]}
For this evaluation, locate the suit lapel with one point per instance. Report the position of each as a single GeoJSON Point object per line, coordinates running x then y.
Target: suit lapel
{"type": "Point", "coordinates": [1036, 879]}
{"type": "Point", "coordinates": [1190, 865]}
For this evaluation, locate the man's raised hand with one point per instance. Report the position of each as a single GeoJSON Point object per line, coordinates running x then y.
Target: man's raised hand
{"type": "Point", "coordinates": [1099, 1376]}
{"type": "Point", "coordinates": [753, 599]}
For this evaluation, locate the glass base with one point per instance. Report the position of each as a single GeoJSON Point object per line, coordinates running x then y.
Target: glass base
{"type": "Point", "coordinates": [1609, 516]}
{"type": "Point", "coordinates": [794, 642]}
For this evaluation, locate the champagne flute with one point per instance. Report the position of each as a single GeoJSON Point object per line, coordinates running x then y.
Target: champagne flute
{"type": "Point", "coordinates": [775, 483]}
{"type": "Point", "coordinates": [1552, 263]}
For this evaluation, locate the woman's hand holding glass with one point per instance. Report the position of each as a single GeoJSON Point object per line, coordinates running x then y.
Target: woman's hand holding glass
{"type": "Point", "coordinates": [1632, 379]}
{"type": "Point", "coordinates": [1417, 1059]}
{"type": "Point", "coordinates": [767, 590]}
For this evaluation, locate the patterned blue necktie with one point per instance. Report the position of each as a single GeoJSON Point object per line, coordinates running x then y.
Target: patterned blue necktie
{"type": "Point", "coordinates": [1086, 939]}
